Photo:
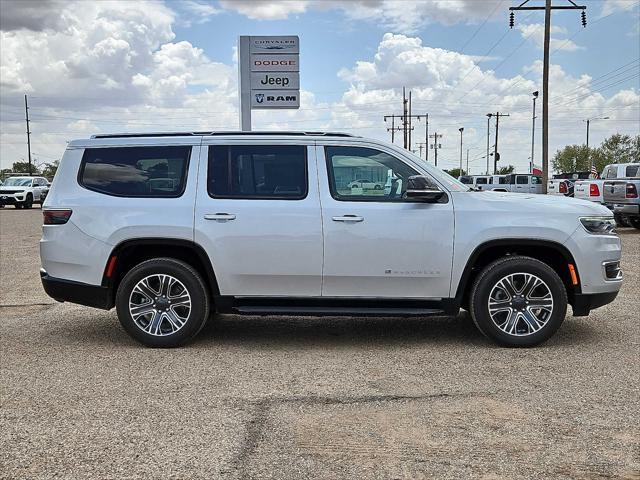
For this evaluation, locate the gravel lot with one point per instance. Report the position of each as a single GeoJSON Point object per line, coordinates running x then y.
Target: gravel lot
{"type": "Point", "coordinates": [312, 397]}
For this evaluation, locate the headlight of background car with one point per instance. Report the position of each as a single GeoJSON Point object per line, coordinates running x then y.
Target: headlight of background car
{"type": "Point", "coordinates": [599, 225]}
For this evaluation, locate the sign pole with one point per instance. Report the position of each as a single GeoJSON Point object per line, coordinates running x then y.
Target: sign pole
{"type": "Point", "coordinates": [244, 82]}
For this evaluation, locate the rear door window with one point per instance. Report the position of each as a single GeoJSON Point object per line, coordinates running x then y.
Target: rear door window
{"type": "Point", "coordinates": [258, 171]}
{"type": "Point", "coordinates": [522, 180]}
{"type": "Point", "coordinates": [136, 171]}
{"type": "Point", "coordinates": [632, 171]}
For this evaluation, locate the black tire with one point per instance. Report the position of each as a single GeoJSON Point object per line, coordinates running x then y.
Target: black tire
{"type": "Point", "coordinates": [377, 187]}
{"type": "Point", "coordinates": [18, 206]}
{"type": "Point", "coordinates": [523, 336]}
{"type": "Point", "coordinates": [635, 222]}
{"type": "Point", "coordinates": [188, 279]}
{"type": "Point", "coordinates": [28, 201]}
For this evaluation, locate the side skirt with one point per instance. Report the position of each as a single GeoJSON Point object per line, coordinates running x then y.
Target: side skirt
{"type": "Point", "coordinates": [335, 306]}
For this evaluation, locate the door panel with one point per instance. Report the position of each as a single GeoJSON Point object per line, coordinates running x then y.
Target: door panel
{"type": "Point", "coordinates": [270, 242]}
{"type": "Point", "coordinates": [376, 245]}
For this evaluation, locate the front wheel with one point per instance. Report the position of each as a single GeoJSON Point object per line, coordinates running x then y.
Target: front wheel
{"type": "Point", "coordinates": [28, 202]}
{"type": "Point", "coordinates": [162, 302]}
{"type": "Point", "coordinates": [518, 301]}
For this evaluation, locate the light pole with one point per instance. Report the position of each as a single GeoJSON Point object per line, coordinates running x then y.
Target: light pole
{"type": "Point", "coordinates": [489, 115]}
{"type": "Point", "coordinates": [461, 129]}
{"type": "Point", "coordinates": [589, 120]}
{"type": "Point", "coordinates": [533, 130]}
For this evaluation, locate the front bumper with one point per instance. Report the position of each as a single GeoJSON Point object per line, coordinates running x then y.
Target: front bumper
{"type": "Point", "coordinates": [583, 303]}
{"type": "Point", "coordinates": [11, 199]}
{"type": "Point", "coordinates": [76, 292]}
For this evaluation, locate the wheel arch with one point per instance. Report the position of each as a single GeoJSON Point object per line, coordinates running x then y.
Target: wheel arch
{"type": "Point", "coordinates": [554, 254]}
{"type": "Point", "coordinates": [130, 253]}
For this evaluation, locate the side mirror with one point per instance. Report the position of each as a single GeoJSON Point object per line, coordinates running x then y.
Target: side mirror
{"type": "Point", "coordinates": [422, 189]}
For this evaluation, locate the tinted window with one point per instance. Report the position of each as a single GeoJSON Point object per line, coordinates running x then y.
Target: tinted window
{"type": "Point", "coordinates": [257, 171]}
{"type": "Point", "coordinates": [632, 171]}
{"type": "Point", "coordinates": [521, 180]}
{"type": "Point", "coordinates": [386, 176]}
{"type": "Point", "coordinates": [481, 181]}
{"type": "Point", "coordinates": [135, 171]}
{"type": "Point", "coordinates": [466, 180]}
{"type": "Point", "coordinates": [536, 180]}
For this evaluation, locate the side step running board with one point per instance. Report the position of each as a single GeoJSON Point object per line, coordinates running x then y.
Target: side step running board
{"type": "Point", "coordinates": [336, 311]}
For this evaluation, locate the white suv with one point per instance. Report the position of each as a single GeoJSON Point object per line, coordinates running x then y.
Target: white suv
{"type": "Point", "coordinates": [172, 228]}
{"type": "Point", "coordinates": [23, 192]}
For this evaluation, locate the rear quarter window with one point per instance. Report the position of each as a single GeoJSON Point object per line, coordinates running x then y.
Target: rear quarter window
{"type": "Point", "coordinates": [632, 171]}
{"type": "Point", "coordinates": [153, 172]}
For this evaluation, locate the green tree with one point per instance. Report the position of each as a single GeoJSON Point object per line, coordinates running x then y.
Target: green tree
{"type": "Point", "coordinates": [23, 167]}
{"type": "Point", "coordinates": [618, 149]}
{"type": "Point", "coordinates": [572, 158]}
{"type": "Point", "coordinates": [50, 169]}
{"type": "Point", "coordinates": [455, 172]}
{"type": "Point", "coordinates": [506, 170]}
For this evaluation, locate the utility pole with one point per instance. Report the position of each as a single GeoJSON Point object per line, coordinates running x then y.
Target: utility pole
{"type": "Point", "coordinates": [533, 130]}
{"type": "Point", "coordinates": [26, 113]}
{"type": "Point", "coordinates": [435, 146]}
{"type": "Point", "coordinates": [496, 155]}
{"type": "Point", "coordinates": [426, 147]}
{"type": "Point", "coordinates": [393, 128]}
{"type": "Point", "coordinates": [489, 115]}
{"type": "Point", "coordinates": [589, 120]}
{"type": "Point", "coordinates": [409, 116]}
{"type": "Point", "coordinates": [545, 71]}
{"type": "Point", "coordinates": [467, 161]}
{"type": "Point", "coordinates": [404, 116]}
{"type": "Point", "coordinates": [461, 129]}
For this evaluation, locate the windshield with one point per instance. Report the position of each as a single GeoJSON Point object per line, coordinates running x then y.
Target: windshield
{"type": "Point", "coordinates": [17, 182]}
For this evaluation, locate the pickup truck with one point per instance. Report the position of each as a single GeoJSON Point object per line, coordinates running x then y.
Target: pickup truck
{"type": "Point", "coordinates": [621, 196]}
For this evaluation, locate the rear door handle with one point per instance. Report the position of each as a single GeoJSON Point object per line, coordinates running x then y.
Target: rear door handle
{"type": "Point", "coordinates": [348, 218]}
{"type": "Point", "coordinates": [220, 216]}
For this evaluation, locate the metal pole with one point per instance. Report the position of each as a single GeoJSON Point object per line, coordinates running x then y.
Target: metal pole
{"type": "Point", "coordinates": [533, 132]}
{"type": "Point", "coordinates": [404, 115]}
{"type": "Point", "coordinates": [545, 97]}
{"type": "Point", "coordinates": [488, 139]}
{"type": "Point", "coordinates": [426, 139]}
{"type": "Point", "coordinates": [393, 128]}
{"type": "Point", "coordinates": [589, 120]}
{"type": "Point", "coordinates": [244, 82]}
{"type": "Point", "coordinates": [26, 112]}
{"type": "Point", "coordinates": [495, 150]}
{"type": "Point", "coordinates": [461, 129]}
{"type": "Point", "coordinates": [467, 161]}
{"type": "Point", "coordinates": [410, 128]}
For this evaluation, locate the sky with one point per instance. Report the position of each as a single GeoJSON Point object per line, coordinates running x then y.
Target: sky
{"type": "Point", "coordinates": [119, 66]}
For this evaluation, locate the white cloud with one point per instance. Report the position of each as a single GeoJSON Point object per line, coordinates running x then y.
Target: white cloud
{"type": "Point", "coordinates": [535, 32]}
{"type": "Point", "coordinates": [406, 15]}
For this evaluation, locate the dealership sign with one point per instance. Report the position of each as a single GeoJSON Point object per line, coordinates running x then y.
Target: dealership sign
{"type": "Point", "coordinates": [269, 70]}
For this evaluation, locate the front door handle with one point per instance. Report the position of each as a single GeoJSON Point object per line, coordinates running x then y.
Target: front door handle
{"type": "Point", "coordinates": [348, 218]}
{"type": "Point", "coordinates": [220, 216]}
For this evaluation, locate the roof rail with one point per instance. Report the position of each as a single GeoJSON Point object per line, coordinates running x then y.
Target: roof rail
{"type": "Point", "coordinates": [219, 133]}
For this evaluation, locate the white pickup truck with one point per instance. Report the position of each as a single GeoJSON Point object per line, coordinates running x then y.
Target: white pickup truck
{"type": "Point", "coordinates": [593, 189]}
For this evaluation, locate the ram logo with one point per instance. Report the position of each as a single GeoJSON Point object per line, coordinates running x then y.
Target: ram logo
{"type": "Point", "coordinates": [259, 97]}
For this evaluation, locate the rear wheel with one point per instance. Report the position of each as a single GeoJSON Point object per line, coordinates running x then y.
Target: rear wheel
{"type": "Point", "coordinates": [620, 220]}
{"type": "Point", "coordinates": [162, 302]}
{"type": "Point", "coordinates": [635, 222]}
{"type": "Point", "coordinates": [518, 301]}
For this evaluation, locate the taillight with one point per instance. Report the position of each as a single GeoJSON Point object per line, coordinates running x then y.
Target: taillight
{"type": "Point", "coordinates": [563, 187]}
{"type": "Point", "coordinates": [594, 190]}
{"type": "Point", "coordinates": [56, 217]}
{"type": "Point", "coordinates": [631, 192]}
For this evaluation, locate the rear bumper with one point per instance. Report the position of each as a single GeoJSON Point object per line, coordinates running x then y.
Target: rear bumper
{"type": "Point", "coordinates": [583, 303]}
{"type": "Point", "coordinates": [626, 209]}
{"type": "Point", "coordinates": [62, 290]}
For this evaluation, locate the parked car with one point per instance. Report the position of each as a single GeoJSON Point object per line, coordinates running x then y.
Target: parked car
{"type": "Point", "coordinates": [621, 196]}
{"type": "Point", "coordinates": [23, 192]}
{"type": "Point", "coordinates": [520, 183]}
{"type": "Point", "coordinates": [560, 186]}
{"type": "Point", "coordinates": [366, 184]}
{"type": "Point", "coordinates": [254, 223]}
{"type": "Point", "coordinates": [486, 182]}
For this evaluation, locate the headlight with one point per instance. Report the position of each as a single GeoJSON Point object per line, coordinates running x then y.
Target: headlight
{"type": "Point", "coordinates": [599, 225]}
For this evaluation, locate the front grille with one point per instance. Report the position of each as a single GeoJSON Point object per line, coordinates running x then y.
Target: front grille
{"type": "Point", "coordinates": [10, 192]}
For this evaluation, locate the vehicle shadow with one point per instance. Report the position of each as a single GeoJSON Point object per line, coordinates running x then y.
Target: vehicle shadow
{"type": "Point", "coordinates": [272, 333]}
